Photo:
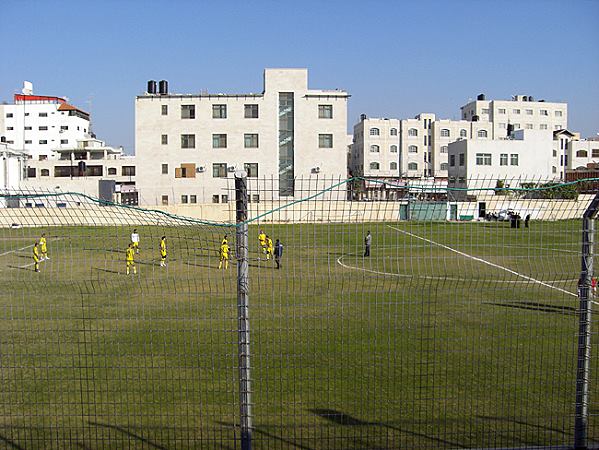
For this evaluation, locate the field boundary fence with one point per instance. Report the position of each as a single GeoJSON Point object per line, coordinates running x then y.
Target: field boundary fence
{"type": "Point", "coordinates": [428, 315]}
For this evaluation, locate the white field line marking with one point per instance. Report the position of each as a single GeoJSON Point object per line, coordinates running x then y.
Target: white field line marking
{"type": "Point", "coordinates": [484, 261]}
{"type": "Point", "coordinates": [429, 277]}
{"type": "Point", "coordinates": [16, 250]}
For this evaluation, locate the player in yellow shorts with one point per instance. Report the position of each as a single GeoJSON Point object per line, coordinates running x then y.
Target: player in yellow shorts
{"type": "Point", "coordinates": [130, 258]}
{"type": "Point", "coordinates": [163, 251]}
{"type": "Point", "coordinates": [269, 248]}
{"type": "Point", "coordinates": [36, 257]}
{"type": "Point", "coordinates": [262, 239]}
{"type": "Point", "coordinates": [224, 255]}
{"type": "Point", "coordinates": [43, 248]}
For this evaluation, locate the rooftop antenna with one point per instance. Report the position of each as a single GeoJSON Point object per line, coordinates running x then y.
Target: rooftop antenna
{"type": "Point", "coordinates": [90, 101]}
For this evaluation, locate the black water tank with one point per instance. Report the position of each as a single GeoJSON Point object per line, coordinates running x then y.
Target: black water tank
{"type": "Point", "coordinates": [151, 87]}
{"type": "Point", "coordinates": [530, 99]}
{"type": "Point", "coordinates": [163, 87]}
{"type": "Point", "coordinates": [480, 97]}
{"type": "Point", "coordinates": [362, 117]}
{"type": "Point", "coordinates": [475, 118]}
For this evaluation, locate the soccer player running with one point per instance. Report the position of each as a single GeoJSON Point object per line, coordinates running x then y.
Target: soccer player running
{"type": "Point", "coordinates": [135, 240]}
{"type": "Point", "coordinates": [43, 248]}
{"type": "Point", "coordinates": [262, 239]}
{"type": "Point", "coordinates": [278, 253]}
{"type": "Point", "coordinates": [131, 259]}
{"type": "Point", "coordinates": [224, 255]}
{"type": "Point", "coordinates": [36, 257]}
{"type": "Point", "coordinates": [163, 251]}
{"type": "Point", "coordinates": [268, 248]}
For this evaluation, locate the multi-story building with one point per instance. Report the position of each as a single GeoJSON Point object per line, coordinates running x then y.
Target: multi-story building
{"type": "Point", "coordinates": [522, 112]}
{"type": "Point", "coordinates": [188, 145]}
{"type": "Point", "coordinates": [12, 170]}
{"type": "Point", "coordinates": [39, 125]}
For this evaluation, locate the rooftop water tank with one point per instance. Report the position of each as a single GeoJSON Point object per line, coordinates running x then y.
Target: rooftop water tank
{"type": "Point", "coordinates": [163, 87]}
{"type": "Point", "coordinates": [151, 87]}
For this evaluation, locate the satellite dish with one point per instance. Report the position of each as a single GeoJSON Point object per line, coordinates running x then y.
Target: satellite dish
{"type": "Point", "coordinates": [27, 88]}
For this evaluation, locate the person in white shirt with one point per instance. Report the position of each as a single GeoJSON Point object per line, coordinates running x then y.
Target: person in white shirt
{"type": "Point", "coordinates": [135, 240]}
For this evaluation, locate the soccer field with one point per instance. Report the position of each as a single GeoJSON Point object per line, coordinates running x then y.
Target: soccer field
{"type": "Point", "coordinates": [450, 335]}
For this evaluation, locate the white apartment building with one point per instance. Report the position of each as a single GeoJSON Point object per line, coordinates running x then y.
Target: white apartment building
{"type": "Point", "coordinates": [189, 145]}
{"type": "Point", "coordinates": [40, 125]}
{"type": "Point", "coordinates": [12, 169]}
{"type": "Point", "coordinates": [522, 112]}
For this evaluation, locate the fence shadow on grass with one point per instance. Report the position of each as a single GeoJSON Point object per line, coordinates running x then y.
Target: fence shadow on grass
{"type": "Point", "coordinates": [10, 443]}
{"type": "Point", "coordinates": [535, 306]}
{"type": "Point", "coordinates": [130, 434]}
{"type": "Point", "coordinates": [341, 418]}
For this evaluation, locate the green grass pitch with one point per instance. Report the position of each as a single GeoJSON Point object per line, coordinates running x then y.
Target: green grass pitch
{"type": "Point", "coordinates": [448, 336]}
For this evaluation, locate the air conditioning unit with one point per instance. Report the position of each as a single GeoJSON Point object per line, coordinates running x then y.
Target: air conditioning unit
{"type": "Point", "coordinates": [231, 168]}
{"type": "Point", "coordinates": [316, 170]}
{"type": "Point", "coordinates": [200, 169]}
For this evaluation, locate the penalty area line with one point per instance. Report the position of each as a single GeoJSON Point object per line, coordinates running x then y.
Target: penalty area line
{"type": "Point", "coordinates": [484, 261]}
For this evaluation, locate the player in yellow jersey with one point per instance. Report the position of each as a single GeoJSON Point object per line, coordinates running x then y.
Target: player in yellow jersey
{"type": "Point", "coordinates": [163, 251]}
{"type": "Point", "coordinates": [262, 239]}
{"type": "Point", "coordinates": [43, 248]}
{"type": "Point", "coordinates": [269, 248]}
{"type": "Point", "coordinates": [224, 241]}
{"type": "Point", "coordinates": [36, 257]}
{"type": "Point", "coordinates": [130, 258]}
{"type": "Point", "coordinates": [224, 255]}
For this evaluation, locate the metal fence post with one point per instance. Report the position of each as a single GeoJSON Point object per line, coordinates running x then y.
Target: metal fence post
{"type": "Point", "coordinates": [584, 327]}
{"type": "Point", "coordinates": [241, 251]}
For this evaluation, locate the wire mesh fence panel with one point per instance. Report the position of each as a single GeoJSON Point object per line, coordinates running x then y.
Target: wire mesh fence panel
{"type": "Point", "coordinates": [440, 318]}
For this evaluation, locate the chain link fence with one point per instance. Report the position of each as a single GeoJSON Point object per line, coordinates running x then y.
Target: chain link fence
{"type": "Point", "coordinates": [439, 318]}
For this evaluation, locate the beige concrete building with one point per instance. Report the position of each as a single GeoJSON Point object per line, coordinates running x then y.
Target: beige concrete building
{"type": "Point", "coordinates": [189, 145]}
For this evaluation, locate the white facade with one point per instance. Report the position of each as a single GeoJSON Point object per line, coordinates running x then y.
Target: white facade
{"type": "Point", "coordinates": [40, 125]}
{"type": "Point", "coordinates": [187, 146]}
{"type": "Point", "coordinates": [523, 112]}
{"type": "Point", "coordinates": [375, 148]}
{"type": "Point", "coordinates": [12, 167]}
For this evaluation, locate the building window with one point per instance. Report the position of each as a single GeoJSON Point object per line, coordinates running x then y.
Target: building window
{"type": "Point", "coordinates": [529, 126]}
{"type": "Point", "coordinates": [445, 132]}
{"type": "Point", "coordinates": [219, 170]}
{"type": "Point", "coordinates": [503, 159]}
{"type": "Point", "coordinates": [165, 199]}
{"type": "Point", "coordinates": [452, 160]}
{"type": "Point", "coordinates": [501, 110]}
{"type": "Point", "coordinates": [558, 114]}
{"type": "Point", "coordinates": [164, 169]}
{"type": "Point", "coordinates": [10, 128]}
{"type": "Point", "coordinates": [581, 154]}
{"type": "Point", "coordinates": [544, 112]}
{"type": "Point", "coordinates": [164, 139]}
{"type": "Point", "coordinates": [251, 169]}
{"type": "Point", "coordinates": [9, 115]}
{"type": "Point", "coordinates": [444, 166]}
{"type": "Point", "coordinates": [193, 199]}
{"type": "Point", "coordinates": [463, 133]}
{"type": "Point", "coordinates": [164, 110]}
{"type": "Point", "coordinates": [27, 128]}
{"type": "Point", "coordinates": [188, 111]}
{"type": "Point", "coordinates": [250, 111]}
{"type": "Point", "coordinates": [517, 126]}
{"type": "Point", "coordinates": [64, 141]}
{"type": "Point", "coordinates": [219, 141]}
{"type": "Point", "coordinates": [286, 143]}
{"type": "Point", "coordinates": [112, 171]}
{"type": "Point", "coordinates": [250, 140]}
{"type": "Point", "coordinates": [128, 171]}
{"type": "Point", "coordinates": [43, 114]}
{"type": "Point", "coordinates": [28, 141]}
{"type": "Point", "coordinates": [224, 198]}
{"type": "Point", "coordinates": [62, 171]}
{"type": "Point", "coordinates": [375, 132]}
{"type": "Point", "coordinates": [374, 166]}
{"type": "Point", "coordinates": [483, 159]}
{"type": "Point", "coordinates": [43, 141]}
{"type": "Point", "coordinates": [184, 199]}
{"type": "Point", "coordinates": [43, 128]}
{"type": "Point", "coordinates": [485, 110]}
{"type": "Point", "coordinates": [516, 111]}
{"type": "Point", "coordinates": [462, 159]}
{"type": "Point", "coordinates": [186, 170]}
{"type": "Point", "coordinates": [325, 141]}
{"type": "Point", "coordinates": [529, 112]}
{"type": "Point", "coordinates": [188, 141]}
{"type": "Point", "coordinates": [543, 126]}
{"type": "Point", "coordinates": [502, 125]}
{"type": "Point", "coordinates": [444, 149]}
{"type": "Point", "coordinates": [558, 127]}
{"type": "Point", "coordinates": [375, 149]}
{"type": "Point", "coordinates": [393, 166]}
{"type": "Point", "coordinates": [413, 149]}
{"type": "Point", "coordinates": [325, 111]}
{"type": "Point", "coordinates": [30, 172]}
{"type": "Point", "coordinates": [553, 169]}
{"type": "Point", "coordinates": [514, 159]}
{"type": "Point", "coordinates": [482, 133]}
{"type": "Point", "coordinates": [216, 198]}
{"type": "Point", "coordinates": [412, 166]}
{"type": "Point", "coordinates": [595, 153]}
{"type": "Point", "coordinates": [393, 149]}
{"type": "Point", "coordinates": [219, 111]}
{"type": "Point", "coordinates": [64, 127]}
{"type": "Point", "coordinates": [45, 172]}
{"type": "Point", "coordinates": [412, 132]}
{"type": "Point", "coordinates": [393, 131]}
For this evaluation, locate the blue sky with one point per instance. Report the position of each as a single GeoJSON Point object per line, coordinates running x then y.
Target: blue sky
{"type": "Point", "coordinates": [395, 58]}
